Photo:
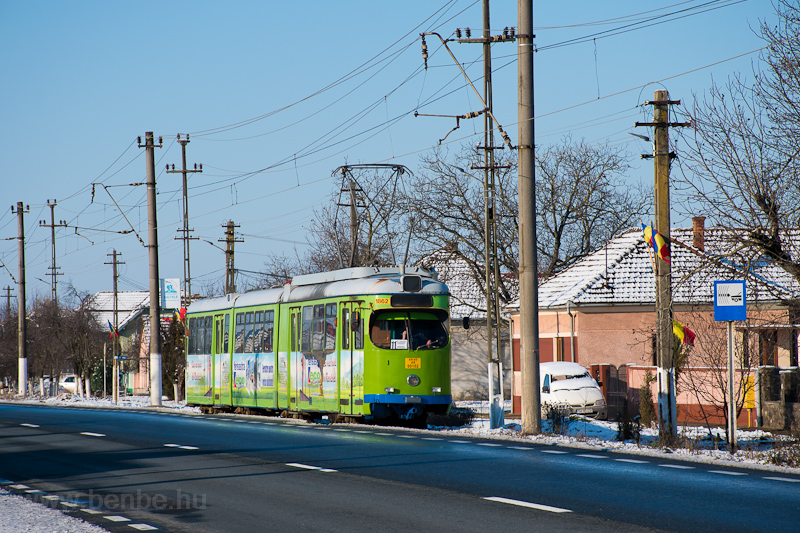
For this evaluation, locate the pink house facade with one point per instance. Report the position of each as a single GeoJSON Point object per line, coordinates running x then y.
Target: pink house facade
{"type": "Point", "coordinates": [601, 314]}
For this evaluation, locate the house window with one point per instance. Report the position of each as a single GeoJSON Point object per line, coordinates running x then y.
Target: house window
{"type": "Point", "coordinates": [768, 347]}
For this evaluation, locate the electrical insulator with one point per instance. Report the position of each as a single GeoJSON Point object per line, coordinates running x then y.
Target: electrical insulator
{"type": "Point", "coordinates": [458, 33]}
{"type": "Point", "coordinates": [468, 32]}
{"type": "Point", "coordinates": [505, 32]}
{"type": "Point", "coordinates": [513, 31]}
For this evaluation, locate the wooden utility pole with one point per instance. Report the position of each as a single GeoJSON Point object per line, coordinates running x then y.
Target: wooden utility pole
{"type": "Point", "coordinates": [667, 405]}
{"type": "Point", "coordinates": [21, 311]}
{"type": "Point", "coordinates": [528, 261]}
{"type": "Point", "coordinates": [229, 240]}
{"type": "Point", "coordinates": [185, 237]}
{"type": "Point", "coordinates": [155, 303]}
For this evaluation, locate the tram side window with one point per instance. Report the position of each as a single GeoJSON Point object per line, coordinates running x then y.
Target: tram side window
{"type": "Point", "coordinates": [330, 327]}
{"type": "Point", "coordinates": [217, 341]}
{"type": "Point", "coordinates": [248, 333]}
{"type": "Point", "coordinates": [318, 329]}
{"type": "Point", "coordinates": [267, 328]}
{"type": "Point", "coordinates": [238, 340]}
{"type": "Point", "coordinates": [190, 337]}
{"type": "Point", "coordinates": [207, 337]}
{"type": "Point", "coordinates": [308, 320]}
{"type": "Point", "coordinates": [258, 331]}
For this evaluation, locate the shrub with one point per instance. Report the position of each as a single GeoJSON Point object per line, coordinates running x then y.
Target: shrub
{"type": "Point", "coordinates": [647, 409]}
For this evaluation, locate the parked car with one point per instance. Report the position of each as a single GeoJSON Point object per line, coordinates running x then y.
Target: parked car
{"type": "Point", "coordinates": [569, 385]}
{"type": "Point", "coordinates": [68, 382]}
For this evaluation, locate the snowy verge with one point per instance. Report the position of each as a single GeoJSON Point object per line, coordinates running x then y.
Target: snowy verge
{"type": "Point", "coordinates": [20, 514]}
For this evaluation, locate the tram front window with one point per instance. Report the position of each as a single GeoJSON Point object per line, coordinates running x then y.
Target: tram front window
{"type": "Point", "coordinates": [403, 330]}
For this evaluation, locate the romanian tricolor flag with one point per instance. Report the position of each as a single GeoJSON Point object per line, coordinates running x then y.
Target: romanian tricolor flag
{"type": "Point", "coordinates": [683, 333]}
{"type": "Point", "coordinates": [659, 243]}
{"type": "Point", "coordinates": [112, 331]}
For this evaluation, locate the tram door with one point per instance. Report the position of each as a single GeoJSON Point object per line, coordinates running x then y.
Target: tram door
{"type": "Point", "coordinates": [351, 363]}
{"type": "Point", "coordinates": [222, 386]}
{"type": "Point", "coordinates": [296, 358]}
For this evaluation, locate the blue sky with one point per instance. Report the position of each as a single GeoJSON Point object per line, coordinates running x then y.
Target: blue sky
{"type": "Point", "coordinates": [277, 95]}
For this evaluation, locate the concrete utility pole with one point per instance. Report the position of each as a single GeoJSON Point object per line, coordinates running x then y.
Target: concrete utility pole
{"type": "Point", "coordinates": [115, 263]}
{"type": "Point", "coordinates": [230, 272]}
{"type": "Point", "coordinates": [23, 319]}
{"type": "Point", "coordinates": [155, 303]}
{"type": "Point", "coordinates": [54, 273]}
{"type": "Point", "coordinates": [8, 299]}
{"type": "Point", "coordinates": [187, 272]}
{"type": "Point", "coordinates": [667, 406]}
{"type": "Point", "coordinates": [528, 261]}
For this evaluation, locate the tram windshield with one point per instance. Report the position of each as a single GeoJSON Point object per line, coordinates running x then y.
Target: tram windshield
{"type": "Point", "coordinates": [404, 330]}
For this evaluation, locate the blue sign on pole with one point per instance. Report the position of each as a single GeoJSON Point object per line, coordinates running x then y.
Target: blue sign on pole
{"type": "Point", "coordinates": [730, 301]}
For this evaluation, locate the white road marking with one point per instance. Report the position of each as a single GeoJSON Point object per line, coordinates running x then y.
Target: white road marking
{"type": "Point", "coordinates": [538, 506]}
{"type": "Point", "coordinates": [117, 518]}
{"type": "Point", "coordinates": [69, 504]}
{"type": "Point", "coordinates": [679, 467]}
{"type": "Point", "coordinates": [92, 511]}
{"type": "Point", "coordinates": [787, 479]}
{"type": "Point", "coordinates": [51, 497]}
{"type": "Point", "coordinates": [525, 448]}
{"type": "Point", "coordinates": [487, 444]}
{"type": "Point", "coordinates": [554, 451]}
{"type": "Point", "coordinates": [592, 456]}
{"type": "Point", "coordinates": [90, 434]}
{"type": "Point", "coordinates": [342, 429]}
{"type": "Point", "coordinates": [634, 461]}
{"type": "Point", "coordinates": [431, 438]}
{"type": "Point", "coordinates": [34, 491]}
{"type": "Point", "coordinates": [188, 447]}
{"type": "Point", "coordinates": [30, 425]}
{"type": "Point", "coordinates": [727, 472]}
{"type": "Point", "coordinates": [384, 433]}
{"type": "Point", "coordinates": [460, 441]}
{"type": "Point", "coordinates": [143, 527]}
{"type": "Point", "coordinates": [19, 486]}
{"type": "Point", "coordinates": [172, 445]}
{"type": "Point", "coordinates": [406, 436]}
{"type": "Point", "coordinates": [309, 467]}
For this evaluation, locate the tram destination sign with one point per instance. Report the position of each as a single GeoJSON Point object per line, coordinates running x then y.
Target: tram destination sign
{"type": "Point", "coordinates": [730, 301]}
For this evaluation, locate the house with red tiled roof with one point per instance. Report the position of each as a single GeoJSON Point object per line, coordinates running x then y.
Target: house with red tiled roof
{"type": "Point", "coordinates": [601, 313]}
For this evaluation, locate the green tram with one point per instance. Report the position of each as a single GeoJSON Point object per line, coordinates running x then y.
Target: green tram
{"type": "Point", "coordinates": [359, 344]}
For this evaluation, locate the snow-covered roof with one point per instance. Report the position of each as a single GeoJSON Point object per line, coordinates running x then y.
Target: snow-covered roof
{"type": "Point", "coordinates": [467, 296]}
{"type": "Point", "coordinates": [621, 273]}
{"type": "Point", "coordinates": [129, 305]}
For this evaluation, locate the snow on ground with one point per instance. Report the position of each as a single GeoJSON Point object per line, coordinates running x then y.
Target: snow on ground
{"type": "Point", "coordinates": [755, 449]}
{"type": "Point", "coordinates": [20, 515]}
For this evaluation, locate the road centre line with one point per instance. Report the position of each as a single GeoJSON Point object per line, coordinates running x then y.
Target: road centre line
{"type": "Point", "coordinates": [530, 505]}
{"type": "Point", "coordinates": [678, 467]}
{"type": "Point", "coordinates": [461, 441]}
{"type": "Point", "coordinates": [633, 461]}
{"type": "Point", "coordinates": [406, 436]}
{"type": "Point", "coordinates": [554, 451]}
{"type": "Point", "coordinates": [727, 472]}
{"type": "Point", "coordinates": [592, 456]}
{"type": "Point", "coordinates": [90, 434]}
{"type": "Point", "coordinates": [30, 425]}
{"type": "Point", "coordinates": [524, 448]}
{"type": "Point", "coordinates": [487, 444]}
{"type": "Point", "coordinates": [309, 467]}
{"type": "Point", "coordinates": [786, 479]}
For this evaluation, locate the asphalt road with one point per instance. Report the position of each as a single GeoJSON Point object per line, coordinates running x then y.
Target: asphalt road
{"type": "Point", "coordinates": [129, 470]}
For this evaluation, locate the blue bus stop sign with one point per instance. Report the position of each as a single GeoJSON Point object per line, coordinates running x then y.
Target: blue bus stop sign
{"type": "Point", "coordinates": [730, 301]}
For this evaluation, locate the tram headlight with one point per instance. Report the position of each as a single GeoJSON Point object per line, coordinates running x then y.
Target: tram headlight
{"type": "Point", "coordinates": [436, 389]}
{"type": "Point", "coordinates": [389, 390]}
{"type": "Point", "coordinates": [413, 380]}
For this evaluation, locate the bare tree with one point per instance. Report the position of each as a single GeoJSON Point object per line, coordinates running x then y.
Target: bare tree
{"type": "Point", "coordinates": [379, 223]}
{"type": "Point", "coordinates": [173, 362]}
{"type": "Point", "coordinates": [582, 201]}
{"type": "Point", "coordinates": [742, 165]}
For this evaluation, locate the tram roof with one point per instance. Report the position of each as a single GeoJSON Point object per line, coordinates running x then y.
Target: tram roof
{"type": "Point", "coordinates": [337, 283]}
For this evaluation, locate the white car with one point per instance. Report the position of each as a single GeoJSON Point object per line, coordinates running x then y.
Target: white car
{"type": "Point", "coordinates": [68, 382]}
{"type": "Point", "coordinates": [570, 385]}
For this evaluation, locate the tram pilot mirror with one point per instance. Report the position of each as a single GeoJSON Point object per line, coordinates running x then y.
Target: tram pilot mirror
{"type": "Point", "coordinates": [465, 322]}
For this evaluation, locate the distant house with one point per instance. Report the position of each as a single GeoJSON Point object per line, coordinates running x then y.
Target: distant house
{"type": "Point", "coordinates": [133, 324]}
{"type": "Point", "coordinates": [601, 314]}
{"type": "Point", "coordinates": [469, 355]}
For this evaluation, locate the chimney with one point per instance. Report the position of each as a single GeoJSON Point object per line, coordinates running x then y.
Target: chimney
{"type": "Point", "coordinates": [698, 232]}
